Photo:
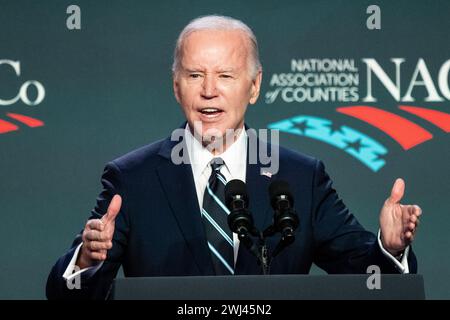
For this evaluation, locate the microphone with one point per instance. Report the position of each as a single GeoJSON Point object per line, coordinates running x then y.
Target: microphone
{"type": "Point", "coordinates": [285, 218]}
{"type": "Point", "coordinates": [240, 220]}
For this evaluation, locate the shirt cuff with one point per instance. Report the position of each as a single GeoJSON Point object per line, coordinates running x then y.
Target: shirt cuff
{"type": "Point", "coordinates": [73, 270]}
{"type": "Point", "coordinates": [401, 265]}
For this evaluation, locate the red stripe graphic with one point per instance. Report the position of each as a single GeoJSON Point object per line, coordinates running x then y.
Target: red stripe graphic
{"type": "Point", "coordinates": [6, 126]}
{"type": "Point", "coordinates": [29, 121]}
{"type": "Point", "coordinates": [438, 118]}
{"type": "Point", "coordinates": [406, 133]}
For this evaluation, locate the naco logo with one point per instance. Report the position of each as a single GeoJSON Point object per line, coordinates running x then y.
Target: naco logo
{"type": "Point", "coordinates": [8, 126]}
{"type": "Point", "coordinates": [420, 77]}
{"type": "Point", "coordinates": [339, 80]}
{"type": "Point", "coordinates": [330, 72]}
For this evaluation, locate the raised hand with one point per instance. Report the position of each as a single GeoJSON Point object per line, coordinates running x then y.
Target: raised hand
{"type": "Point", "coordinates": [97, 236]}
{"type": "Point", "coordinates": [398, 222]}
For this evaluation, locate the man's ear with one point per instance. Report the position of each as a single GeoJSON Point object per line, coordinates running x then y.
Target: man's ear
{"type": "Point", "coordinates": [176, 87]}
{"type": "Point", "coordinates": [256, 85]}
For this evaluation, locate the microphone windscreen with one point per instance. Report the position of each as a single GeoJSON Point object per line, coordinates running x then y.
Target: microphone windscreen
{"type": "Point", "coordinates": [278, 188]}
{"type": "Point", "coordinates": [233, 188]}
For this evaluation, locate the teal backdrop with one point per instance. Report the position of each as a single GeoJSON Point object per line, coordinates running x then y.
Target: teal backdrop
{"type": "Point", "coordinates": [108, 90]}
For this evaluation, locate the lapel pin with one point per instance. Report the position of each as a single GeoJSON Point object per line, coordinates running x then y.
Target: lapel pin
{"type": "Point", "coordinates": [267, 174]}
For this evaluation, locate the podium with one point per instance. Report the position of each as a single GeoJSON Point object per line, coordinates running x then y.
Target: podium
{"type": "Point", "coordinates": [271, 287]}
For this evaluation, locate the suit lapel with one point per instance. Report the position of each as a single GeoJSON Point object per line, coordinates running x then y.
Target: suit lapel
{"type": "Point", "coordinates": [178, 184]}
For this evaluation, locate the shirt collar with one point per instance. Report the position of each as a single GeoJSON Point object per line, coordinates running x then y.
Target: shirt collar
{"type": "Point", "coordinates": [235, 157]}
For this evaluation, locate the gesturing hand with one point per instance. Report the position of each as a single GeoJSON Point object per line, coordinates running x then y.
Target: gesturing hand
{"type": "Point", "coordinates": [398, 222]}
{"type": "Point", "coordinates": [97, 236]}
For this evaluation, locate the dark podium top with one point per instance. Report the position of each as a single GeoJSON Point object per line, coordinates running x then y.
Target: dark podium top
{"type": "Point", "coordinates": [272, 287]}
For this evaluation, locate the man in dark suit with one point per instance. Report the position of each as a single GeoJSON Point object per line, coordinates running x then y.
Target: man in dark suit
{"type": "Point", "coordinates": [159, 217]}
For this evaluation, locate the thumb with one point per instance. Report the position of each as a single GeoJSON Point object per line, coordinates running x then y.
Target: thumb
{"type": "Point", "coordinates": [113, 209]}
{"type": "Point", "coordinates": [397, 191]}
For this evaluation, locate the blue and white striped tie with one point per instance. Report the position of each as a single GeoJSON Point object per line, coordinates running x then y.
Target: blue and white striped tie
{"type": "Point", "coordinates": [214, 217]}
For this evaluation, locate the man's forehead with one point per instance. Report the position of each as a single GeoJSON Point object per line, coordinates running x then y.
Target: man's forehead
{"type": "Point", "coordinates": [208, 45]}
{"type": "Point", "coordinates": [192, 65]}
{"type": "Point", "coordinates": [223, 39]}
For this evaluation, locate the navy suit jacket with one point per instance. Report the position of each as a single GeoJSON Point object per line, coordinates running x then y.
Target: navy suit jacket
{"type": "Point", "coordinates": [159, 230]}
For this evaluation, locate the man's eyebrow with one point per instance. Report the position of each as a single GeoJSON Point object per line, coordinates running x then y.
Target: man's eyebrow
{"type": "Point", "coordinates": [189, 70]}
{"type": "Point", "coordinates": [226, 70]}
{"type": "Point", "coordinates": [194, 69]}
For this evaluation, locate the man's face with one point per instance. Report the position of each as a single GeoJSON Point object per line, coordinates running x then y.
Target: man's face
{"type": "Point", "coordinates": [213, 84]}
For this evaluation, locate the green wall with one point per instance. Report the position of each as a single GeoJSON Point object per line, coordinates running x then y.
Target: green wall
{"type": "Point", "coordinates": [108, 91]}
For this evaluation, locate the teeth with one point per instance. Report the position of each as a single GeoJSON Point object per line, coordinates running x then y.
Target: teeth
{"type": "Point", "coordinates": [210, 110]}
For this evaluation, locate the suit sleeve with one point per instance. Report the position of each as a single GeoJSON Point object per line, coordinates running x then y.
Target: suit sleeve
{"type": "Point", "coordinates": [342, 245]}
{"type": "Point", "coordinates": [98, 285]}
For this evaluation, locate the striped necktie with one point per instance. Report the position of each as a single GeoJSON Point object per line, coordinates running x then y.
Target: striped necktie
{"type": "Point", "coordinates": [214, 217]}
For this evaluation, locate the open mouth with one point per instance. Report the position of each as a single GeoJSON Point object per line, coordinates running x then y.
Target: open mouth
{"type": "Point", "coordinates": [211, 111]}
{"type": "Point", "coordinates": [211, 114]}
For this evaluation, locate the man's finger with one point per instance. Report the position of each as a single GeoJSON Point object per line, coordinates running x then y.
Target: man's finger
{"type": "Point", "coordinates": [99, 256]}
{"type": "Point", "coordinates": [95, 224]}
{"type": "Point", "coordinates": [99, 246]}
{"type": "Point", "coordinates": [409, 236]}
{"type": "Point", "coordinates": [113, 209]}
{"type": "Point", "coordinates": [397, 191]}
{"type": "Point", "coordinates": [417, 223]}
{"type": "Point", "coordinates": [94, 235]}
{"type": "Point", "coordinates": [417, 210]}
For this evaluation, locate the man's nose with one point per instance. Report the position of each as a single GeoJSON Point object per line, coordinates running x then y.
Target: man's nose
{"type": "Point", "coordinates": [209, 89]}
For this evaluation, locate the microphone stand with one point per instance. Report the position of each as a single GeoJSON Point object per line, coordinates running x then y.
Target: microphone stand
{"type": "Point", "coordinates": [259, 250]}
{"type": "Point", "coordinates": [265, 258]}
{"type": "Point", "coordinates": [241, 222]}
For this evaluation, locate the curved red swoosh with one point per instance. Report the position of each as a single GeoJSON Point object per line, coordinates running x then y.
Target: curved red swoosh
{"type": "Point", "coordinates": [405, 132]}
{"type": "Point", "coordinates": [438, 118]}
{"type": "Point", "coordinates": [29, 121]}
{"type": "Point", "coordinates": [6, 126]}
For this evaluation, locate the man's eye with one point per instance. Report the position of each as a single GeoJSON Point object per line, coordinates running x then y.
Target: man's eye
{"type": "Point", "coordinates": [194, 75]}
{"type": "Point", "coordinates": [226, 76]}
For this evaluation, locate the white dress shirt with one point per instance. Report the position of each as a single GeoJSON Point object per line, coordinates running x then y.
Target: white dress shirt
{"type": "Point", "coordinates": [235, 166]}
